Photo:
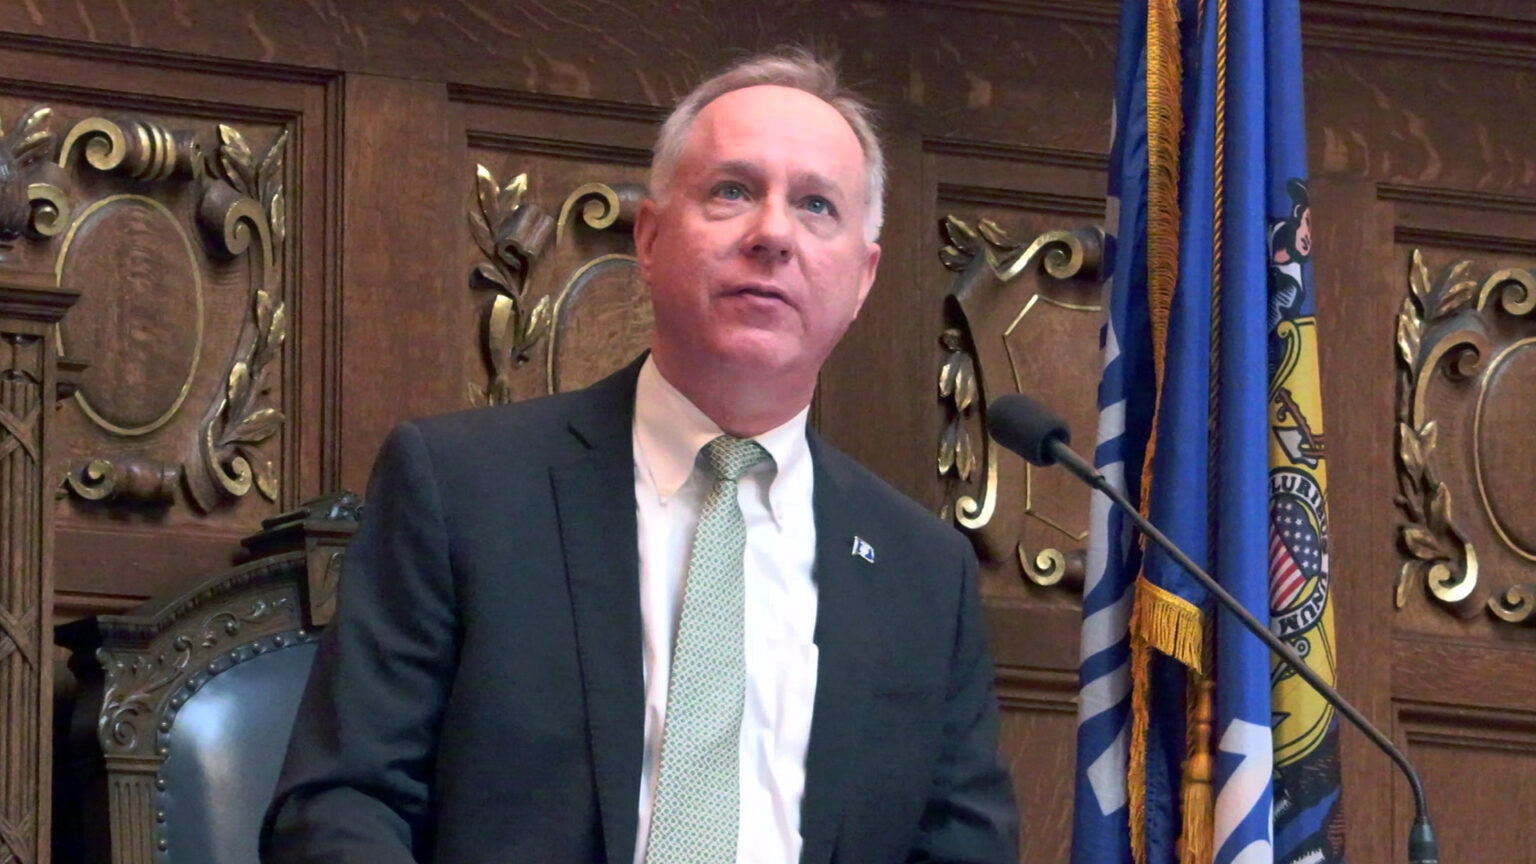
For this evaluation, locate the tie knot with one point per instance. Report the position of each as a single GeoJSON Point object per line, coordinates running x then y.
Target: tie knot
{"type": "Point", "coordinates": [728, 458]}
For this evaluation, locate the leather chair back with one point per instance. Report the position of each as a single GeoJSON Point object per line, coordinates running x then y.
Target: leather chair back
{"type": "Point", "coordinates": [186, 704]}
{"type": "Point", "coordinates": [226, 748]}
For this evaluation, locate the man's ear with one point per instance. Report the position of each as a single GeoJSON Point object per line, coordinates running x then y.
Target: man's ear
{"type": "Point", "coordinates": [645, 235]}
{"type": "Point", "coordinates": [871, 265]}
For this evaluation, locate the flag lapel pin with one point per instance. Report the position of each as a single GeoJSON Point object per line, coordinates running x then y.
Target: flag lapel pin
{"type": "Point", "coordinates": [862, 549]}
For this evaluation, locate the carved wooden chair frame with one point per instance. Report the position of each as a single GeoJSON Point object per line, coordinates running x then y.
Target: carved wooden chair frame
{"type": "Point", "coordinates": [137, 670]}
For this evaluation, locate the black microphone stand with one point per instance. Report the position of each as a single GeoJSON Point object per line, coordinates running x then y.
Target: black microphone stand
{"type": "Point", "coordinates": [1423, 848]}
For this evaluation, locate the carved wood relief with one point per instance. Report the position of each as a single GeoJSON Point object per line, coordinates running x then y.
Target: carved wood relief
{"type": "Point", "coordinates": [555, 294]}
{"type": "Point", "coordinates": [1021, 313]}
{"type": "Point", "coordinates": [24, 589]}
{"type": "Point", "coordinates": [586, 318]}
{"type": "Point", "coordinates": [142, 669]}
{"type": "Point", "coordinates": [986, 315]}
{"type": "Point", "coordinates": [1465, 338]}
{"type": "Point", "coordinates": [174, 243]}
{"type": "Point", "coordinates": [31, 303]}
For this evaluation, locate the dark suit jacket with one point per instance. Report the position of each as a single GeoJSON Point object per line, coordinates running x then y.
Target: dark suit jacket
{"type": "Point", "coordinates": [479, 696]}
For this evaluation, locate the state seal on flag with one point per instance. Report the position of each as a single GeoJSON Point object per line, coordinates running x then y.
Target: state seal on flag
{"type": "Point", "coordinates": [1299, 610]}
{"type": "Point", "coordinates": [1298, 551]}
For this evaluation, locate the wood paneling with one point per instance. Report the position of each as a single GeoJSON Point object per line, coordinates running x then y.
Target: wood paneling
{"type": "Point", "coordinates": [1481, 763]}
{"type": "Point", "coordinates": [398, 236]}
{"type": "Point", "coordinates": [1419, 136]}
{"type": "Point", "coordinates": [99, 545]}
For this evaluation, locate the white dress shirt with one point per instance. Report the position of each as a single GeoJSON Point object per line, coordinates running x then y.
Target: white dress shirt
{"type": "Point", "coordinates": [780, 605]}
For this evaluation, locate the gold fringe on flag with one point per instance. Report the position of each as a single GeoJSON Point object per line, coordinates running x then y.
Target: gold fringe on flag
{"type": "Point", "coordinates": [1165, 123]}
{"type": "Point", "coordinates": [1161, 621]}
{"type": "Point", "coordinates": [1169, 623]}
{"type": "Point", "coordinates": [1136, 771]}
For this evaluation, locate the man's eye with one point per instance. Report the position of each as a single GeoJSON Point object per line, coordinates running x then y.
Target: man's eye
{"type": "Point", "coordinates": [818, 205]}
{"type": "Point", "coordinates": [730, 191]}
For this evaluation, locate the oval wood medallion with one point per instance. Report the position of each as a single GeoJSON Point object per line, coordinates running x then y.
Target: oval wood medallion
{"type": "Point", "coordinates": [602, 320]}
{"type": "Point", "coordinates": [139, 322]}
{"type": "Point", "coordinates": [1506, 462]}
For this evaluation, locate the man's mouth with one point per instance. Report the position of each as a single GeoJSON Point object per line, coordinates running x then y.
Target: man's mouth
{"type": "Point", "coordinates": [766, 292]}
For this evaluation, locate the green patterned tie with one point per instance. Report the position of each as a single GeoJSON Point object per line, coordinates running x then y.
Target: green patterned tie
{"type": "Point", "coordinates": [695, 814]}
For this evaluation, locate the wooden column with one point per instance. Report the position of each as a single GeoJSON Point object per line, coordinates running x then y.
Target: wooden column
{"type": "Point", "coordinates": [30, 307]}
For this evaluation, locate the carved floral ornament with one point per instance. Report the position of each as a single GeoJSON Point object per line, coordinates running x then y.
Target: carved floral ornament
{"type": "Point", "coordinates": [513, 235]}
{"type": "Point", "coordinates": [138, 692]}
{"type": "Point", "coordinates": [989, 301]}
{"type": "Point", "coordinates": [1471, 332]}
{"type": "Point", "coordinates": [240, 208]}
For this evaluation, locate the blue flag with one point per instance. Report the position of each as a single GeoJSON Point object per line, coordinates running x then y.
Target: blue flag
{"type": "Point", "coordinates": [1212, 312]}
{"type": "Point", "coordinates": [1308, 818]}
{"type": "Point", "coordinates": [1101, 804]}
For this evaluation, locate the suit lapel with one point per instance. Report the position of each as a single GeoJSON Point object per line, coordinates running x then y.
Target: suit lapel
{"type": "Point", "coordinates": [594, 499]}
{"type": "Point", "coordinates": [845, 647]}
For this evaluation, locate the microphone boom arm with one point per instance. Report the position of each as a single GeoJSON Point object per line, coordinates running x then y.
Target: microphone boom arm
{"type": "Point", "coordinates": [1422, 845]}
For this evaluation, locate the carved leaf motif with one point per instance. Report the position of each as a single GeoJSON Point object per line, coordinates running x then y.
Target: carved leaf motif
{"type": "Point", "coordinates": [235, 159]}
{"type": "Point", "coordinates": [1418, 278]}
{"type": "Point", "coordinates": [948, 444]}
{"type": "Point", "coordinates": [256, 428]}
{"type": "Point", "coordinates": [277, 215]}
{"type": "Point", "coordinates": [1409, 451]}
{"type": "Point", "coordinates": [511, 196]}
{"type": "Point", "coordinates": [1429, 435]}
{"type": "Point", "coordinates": [965, 382]}
{"type": "Point", "coordinates": [953, 258]}
{"type": "Point", "coordinates": [1421, 543]}
{"type": "Point", "coordinates": [1440, 510]}
{"type": "Point", "coordinates": [965, 455]}
{"type": "Point", "coordinates": [493, 276]}
{"type": "Point", "coordinates": [486, 193]}
{"type": "Point", "coordinates": [30, 138]}
{"type": "Point", "coordinates": [995, 235]}
{"type": "Point", "coordinates": [1408, 333]}
{"type": "Point", "coordinates": [1405, 393]}
{"type": "Point", "coordinates": [538, 319]}
{"type": "Point", "coordinates": [274, 163]}
{"type": "Point", "coordinates": [947, 375]}
{"type": "Point", "coordinates": [1411, 570]}
{"type": "Point", "coordinates": [1456, 297]}
{"type": "Point", "coordinates": [950, 339]}
{"type": "Point", "coordinates": [477, 396]}
{"type": "Point", "coordinates": [960, 235]}
{"type": "Point", "coordinates": [262, 308]}
{"type": "Point", "coordinates": [266, 476]}
{"type": "Point", "coordinates": [481, 232]}
{"type": "Point", "coordinates": [499, 330]}
{"type": "Point", "coordinates": [239, 388]}
{"type": "Point", "coordinates": [277, 331]}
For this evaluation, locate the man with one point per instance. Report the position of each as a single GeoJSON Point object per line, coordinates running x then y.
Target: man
{"type": "Point", "coordinates": [658, 620]}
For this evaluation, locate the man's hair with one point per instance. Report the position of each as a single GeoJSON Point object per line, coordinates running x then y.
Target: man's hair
{"type": "Point", "coordinates": [790, 67]}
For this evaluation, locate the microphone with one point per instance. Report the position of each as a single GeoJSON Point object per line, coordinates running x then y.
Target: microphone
{"type": "Point", "coordinates": [1029, 429]}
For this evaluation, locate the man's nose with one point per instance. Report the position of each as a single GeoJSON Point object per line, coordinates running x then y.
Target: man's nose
{"type": "Point", "coordinates": [772, 237]}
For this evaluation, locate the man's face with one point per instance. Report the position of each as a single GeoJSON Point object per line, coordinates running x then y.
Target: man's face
{"type": "Point", "coordinates": [756, 258]}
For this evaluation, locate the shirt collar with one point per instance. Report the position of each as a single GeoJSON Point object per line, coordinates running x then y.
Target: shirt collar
{"type": "Point", "coordinates": [670, 431]}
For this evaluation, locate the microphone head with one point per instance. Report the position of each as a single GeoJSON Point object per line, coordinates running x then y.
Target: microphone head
{"type": "Point", "coordinates": [1026, 427]}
